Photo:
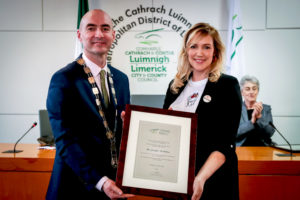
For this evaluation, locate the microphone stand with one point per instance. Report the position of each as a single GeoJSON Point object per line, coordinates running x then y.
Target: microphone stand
{"type": "Point", "coordinates": [18, 151]}
{"type": "Point", "coordinates": [291, 150]}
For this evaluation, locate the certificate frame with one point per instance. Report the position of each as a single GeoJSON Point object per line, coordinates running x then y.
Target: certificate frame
{"type": "Point", "coordinates": [134, 145]}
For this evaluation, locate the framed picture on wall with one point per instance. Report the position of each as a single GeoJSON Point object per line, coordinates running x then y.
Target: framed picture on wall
{"type": "Point", "coordinates": [157, 153]}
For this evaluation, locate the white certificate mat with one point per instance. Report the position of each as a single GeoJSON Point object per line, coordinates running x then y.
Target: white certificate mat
{"type": "Point", "coordinates": [157, 153]}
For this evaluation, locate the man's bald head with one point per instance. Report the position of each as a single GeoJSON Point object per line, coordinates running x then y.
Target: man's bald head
{"type": "Point", "coordinates": [96, 35]}
{"type": "Point", "coordinates": [95, 12]}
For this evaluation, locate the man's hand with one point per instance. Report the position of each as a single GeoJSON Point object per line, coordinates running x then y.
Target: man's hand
{"type": "Point", "coordinates": [113, 192]}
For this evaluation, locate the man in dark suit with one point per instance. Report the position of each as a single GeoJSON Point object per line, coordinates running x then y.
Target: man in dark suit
{"type": "Point", "coordinates": [85, 115]}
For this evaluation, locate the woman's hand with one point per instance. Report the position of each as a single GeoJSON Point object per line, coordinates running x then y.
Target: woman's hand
{"type": "Point", "coordinates": [198, 188]}
{"type": "Point", "coordinates": [258, 107]}
{"type": "Point", "coordinates": [123, 116]}
{"type": "Point", "coordinates": [214, 161]}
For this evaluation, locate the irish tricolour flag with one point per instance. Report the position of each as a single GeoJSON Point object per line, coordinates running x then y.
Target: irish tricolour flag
{"type": "Point", "coordinates": [83, 7]}
{"type": "Point", "coordinates": [235, 64]}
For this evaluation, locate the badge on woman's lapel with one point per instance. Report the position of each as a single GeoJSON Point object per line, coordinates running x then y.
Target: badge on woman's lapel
{"type": "Point", "coordinates": [207, 98]}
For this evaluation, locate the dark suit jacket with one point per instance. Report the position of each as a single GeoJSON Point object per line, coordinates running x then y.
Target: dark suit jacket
{"type": "Point", "coordinates": [218, 121]}
{"type": "Point", "coordinates": [82, 149]}
{"type": "Point", "coordinates": [257, 134]}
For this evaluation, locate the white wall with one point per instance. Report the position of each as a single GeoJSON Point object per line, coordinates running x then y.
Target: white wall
{"type": "Point", "coordinates": [37, 38]}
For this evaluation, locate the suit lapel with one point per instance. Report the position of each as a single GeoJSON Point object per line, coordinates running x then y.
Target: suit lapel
{"type": "Point", "coordinates": [244, 112]}
{"type": "Point", "coordinates": [86, 92]}
{"type": "Point", "coordinates": [208, 91]}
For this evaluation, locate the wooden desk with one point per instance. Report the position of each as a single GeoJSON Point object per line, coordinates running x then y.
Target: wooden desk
{"type": "Point", "coordinates": [263, 174]}
{"type": "Point", "coordinates": [267, 176]}
{"type": "Point", "coordinates": [25, 175]}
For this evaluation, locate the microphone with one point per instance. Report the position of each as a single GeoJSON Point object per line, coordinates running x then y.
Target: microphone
{"type": "Point", "coordinates": [17, 151]}
{"type": "Point", "coordinates": [291, 150]}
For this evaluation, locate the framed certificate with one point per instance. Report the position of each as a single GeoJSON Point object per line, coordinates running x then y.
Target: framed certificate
{"type": "Point", "coordinates": [157, 153]}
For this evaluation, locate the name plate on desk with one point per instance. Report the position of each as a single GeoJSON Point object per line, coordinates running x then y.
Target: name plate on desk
{"type": "Point", "coordinates": [157, 154]}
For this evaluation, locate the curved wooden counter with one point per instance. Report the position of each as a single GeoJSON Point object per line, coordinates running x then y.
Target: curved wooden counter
{"type": "Point", "coordinates": [25, 175]}
{"type": "Point", "coordinates": [263, 174]}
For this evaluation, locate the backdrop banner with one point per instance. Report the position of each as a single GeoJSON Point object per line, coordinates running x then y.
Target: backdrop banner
{"type": "Point", "coordinates": [147, 44]}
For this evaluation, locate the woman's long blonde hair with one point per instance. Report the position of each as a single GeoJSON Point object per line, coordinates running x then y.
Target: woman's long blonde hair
{"type": "Point", "coordinates": [184, 69]}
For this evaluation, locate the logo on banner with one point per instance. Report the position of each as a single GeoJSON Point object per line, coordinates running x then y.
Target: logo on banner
{"type": "Point", "coordinates": [150, 59]}
{"type": "Point", "coordinates": [149, 37]}
{"type": "Point", "coordinates": [148, 62]}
